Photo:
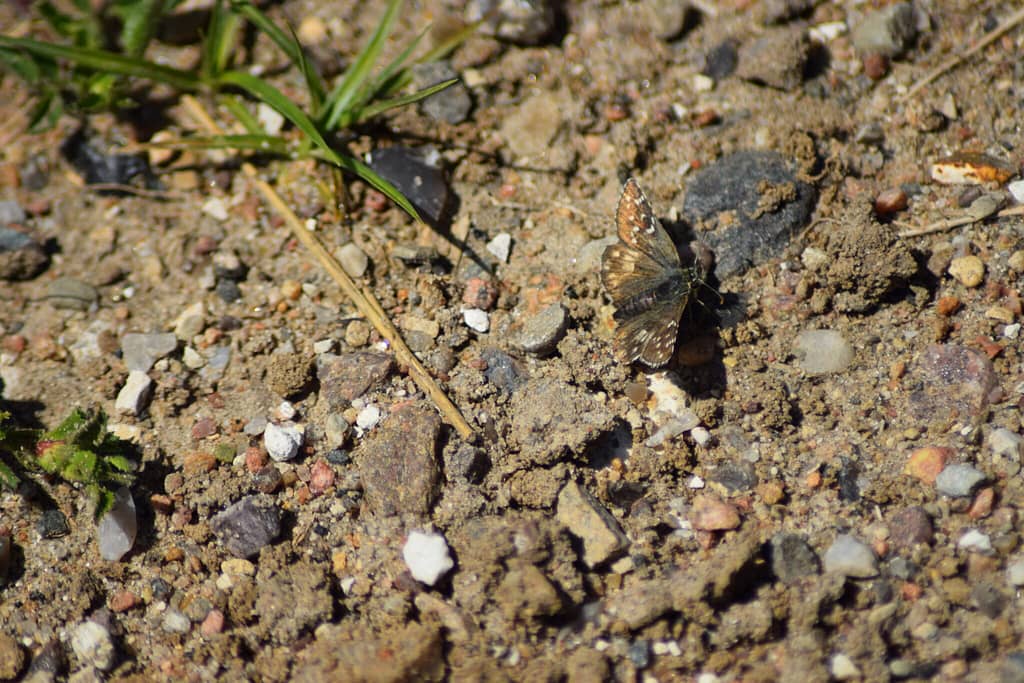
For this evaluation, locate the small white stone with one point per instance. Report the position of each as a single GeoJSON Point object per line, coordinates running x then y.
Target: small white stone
{"type": "Point", "coordinates": [1016, 189]}
{"type": "Point", "coordinates": [353, 259]}
{"type": "Point", "coordinates": [214, 207]}
{"type": "Point", "coordinates": [368, 417]}
{"type": "Point", "coordinates": [1015, 572]}
{"type": "Point", "coordinates": [192, 358]}
{"type": "Point", "coordinates": [134, 394]}
{"type": "Point", "coordinates": [282, 441]}
{"type": "Point", "coordinates": [323, 346]}
{"type": "Point", "coordinates": [843, 668]}
{"type": "Point", "coordinates": [477, 319]}
{"type": "Point", "coordinates": [190, 322]}
{"type": "Point", "coordinates": [700, 436]}
{"type": "Point", "coordinates": [975, 542]}
{"type": "Point", "coordinates": [702, 83]}
{"type": "Point", "coordinates": [828, 31]}
{"type": "Point", "coordinates": [94, 645]}
{"type": "Point", "coordinates": [1011, 331]}
{"type": "Point", "coordinates": [286, 410]}
{"type": "Point", "coordinates": [269, 118]}
{"type": "Point", "coordinates": [501, 246]}
{"type": "Point", "coordinates": [426, 556]}
{"type": "Point", "coordinates": [695, 482]}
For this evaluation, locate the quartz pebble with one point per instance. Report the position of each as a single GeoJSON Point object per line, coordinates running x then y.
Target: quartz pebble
{"type": "Point", "coordinates": [94, 645]}
{"type": "Point", "coordinates": [959, 481]}
{"type": "Point", "coordinates": [585, 518]}
{"type": "Point", "coordinates": [500, 246]}
{"type": "Point", "coordinates": [140, 351]}
{"type": "Point", "coordinates": [134, 395]}
{"type": "Point", "coordinates": [283, 441]}
{"type": "Point", "coordinates": [426, 555]}
{"type": "Point", "coordinates": [542, 332]}
{"type": "Point", "coordinates": [353, 259]}
{"type": "Point", "coordinates": [821, 352]}
{"type": "Point", "coordinates": [851, 557]}
{"type": "Point", "coordinates": [974, 541]}
{"type": "Point", "coordinates": [117, 528]}
{"type": "Point", "coordinates": [477, 319]}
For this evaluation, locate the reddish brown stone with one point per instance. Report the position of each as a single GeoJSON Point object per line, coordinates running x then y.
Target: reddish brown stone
{"type": "Point", "coordinates": [711, 514]}
{"type": "Point", "coordinates": [926, 463]}
{"type": "Point", "coordinates": [890, 201]}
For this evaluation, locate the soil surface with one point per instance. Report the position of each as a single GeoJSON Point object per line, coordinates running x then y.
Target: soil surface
{"type": "Point", "coordinates": [824, 482]}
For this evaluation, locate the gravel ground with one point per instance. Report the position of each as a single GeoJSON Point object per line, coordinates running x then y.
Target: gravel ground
{"type": "Point", "coordinates": [822, 484]}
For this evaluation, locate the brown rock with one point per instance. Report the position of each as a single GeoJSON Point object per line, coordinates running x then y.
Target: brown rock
{"type": "Point", "coordinates": [398, 463]}
{"type": "Point", "coordinates": [350, 375]}
{"type": "Point", "coordinates": [926, 463]}
{"type": "Point", "coordinates": [981, 506]}
{"type": "Point", "coordinates": [711, 514]}
{"type": "Point", "coordinates": [525, 594]}
{"type": "Point", "coordinates": [411, 652]}
{"type": "Point", "coordinates": [909, 527]}
{"type": "Point", "coordinates": [890, 201]}
{"type": "Point", "coordinates": [587, 519]}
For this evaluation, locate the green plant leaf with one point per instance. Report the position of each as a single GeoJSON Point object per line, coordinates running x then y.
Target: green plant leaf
{"type": "Point", "coordinates": [384, 105]}
{"type": "Point", "coordinates": [104, 61]}
{"type": "Point", "coordinates": [264, 144]}
{"type": "Point", "coordinates": [357, 167]}
{"type": "Point", "coordinates": [220, 41]}
{"type": "Point", "coordinates": [344, 94]}
{"type": "Point", "coordinates": [140, 19]}
{"type": "Point", "coordinates": [8, 478]}
{"type": "Point", "coordinates": [288, 44]}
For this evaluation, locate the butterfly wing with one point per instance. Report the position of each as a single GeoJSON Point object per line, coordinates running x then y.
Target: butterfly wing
{"type": "Point", "coordinates": [641, 230]}
{"type": "Point", "coordinates": [651, 336]}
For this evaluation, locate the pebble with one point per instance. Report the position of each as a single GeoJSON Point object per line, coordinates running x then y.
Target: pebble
{"type": "Point", "coordinates": [792, 558]}
{"type": "Point", "coordinates": [542, 332]}
{"type": "Point", "coordinates": [890, 201]}
{"type": "Point", "coordinates": [843, 668]}
{"type": "Point", "coordinates": [502, 370]}
{"type": "Point", "coordinates": [953, 380]}
{"type": "Point", "coordinates": [321, 477]}
{"type": "Point", "coordinates": [52, 524]}
{"type": "Point", "coordinates": [213, 623]}
{"type": "Point", "coordinates": [501, 246]}
{"type": "Point", "coordinates": [523, 23]}
{"type": "Point", "coordinates": [427, 557]}
{"type": "Point", "coordinates": [247, 526]}
{"type": "Point", "coordinates": [532, 127]}
{"type": "Point", "coordinates": [910, 527]}
{"type": "Point", "coordinates": [71, 294]}
{"type": "Point", "coordinates": [21, 257]}
{"type": "Point", "coordinates": [420, 181]}
{"type": "Point", "coordinates": [777, 58]}
{"type": "Point", "coordinates": [140, 351]}
{"type": "Point", "coordinates": [974, 541]}
{"type": "Point", "coordinates": [968, 270]}
{"type": "Point", "coordinates": [228, 291]}
{"type": "Point", "coordinates": [480, 293]}
{"type": "Point", "coordinates": [11, 212]}
{"type": "Point", "coordinates": [117, 528]}
{"type": "Point", "coordinates": [925, 464]}
{"type": "Point", "coordinates": [821, 352]}
{"type": "Point", "coordinates": [398, 462]}
{"type": "Point", "coordinates": [323, 346]}
{"type": "Point", "coordinates": [348, 376]}
{"type": "Point", "coordinates": [851, 557]}
{"type": "Point", "coordinates": [1015, 572]}
{"type": "Point", "coordinates": [190, 322]}
{"type": "Point", "coordinates": [353, 260]}
{"type": "Point", "coordinates": [134, 395]}
{"type": "Point", "coordinates": [959, 481]}
{"type": "Point", "coordinates": [94, 645]}
{"type": "Point", "coordinates": [283, 441]}
{"type": "Point", "coordinates": [175, 622]}
{"type": "Point", "coordinates": [888, 31]}
{"type": "Point", "coordinates": [369, 417]}
{"type": "Point", "coordinates": [1016, 189]}
{"type": "Point", "coordinates": [721, 60]}
{"type": "Point", "coordinates": [214, 208]}
{"type": "Point", "coordinates": [730, 186]}
{"type": "Point", "coordinates": [451, 105]}
{"type": "Point", "coordinates": [710, 514]}
{"type": "Point", "coordinates": [735, 476]}
{"type": "Point", "coordinates": [588, 260]}
{"type": "Point", "coordinates": [585, 518]}
{"type": "Point", "coordinates": [336, 429]}
{"type": "Point", "coordinates": [1006, 444]}
{"type": "Point", "coordinates": [12, 658]}
{"type": "Point", "coordinates": [701, 436]}
{"type": "Point", "coordinates": [476, 319]}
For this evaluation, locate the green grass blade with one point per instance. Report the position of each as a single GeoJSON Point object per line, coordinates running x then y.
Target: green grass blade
{"type": "Point", "coordinates": [139, 20]}
{"type": "Point", "coordinates": [384, 105]}
{"type": "Point", "coordinates": [264, 144]}
{"type": "Point", "coordinates": [220, 41]}
{"type": "Point", "coordinates": [288, 44]}
{"type": "Point", "coordinates": [400, 79]}
{"type": "Point", "coordinates": [238, 109]}
{"type": "Point", "coordinates": [276, 99]}
{"type": "Point", "coordinates": [353, 165]}
{"type": "Point", "coordinates": [8, 478]}
{"type": "Point", "coordinates": [101, 60]}
{"type": "Point", "coordinates": [396, 65]}
{"type": "Point", "coordinates": [344, 95]}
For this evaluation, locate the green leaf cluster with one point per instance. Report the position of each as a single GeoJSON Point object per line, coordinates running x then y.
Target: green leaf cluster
{"type": "Point", "coordinates": [79, 450]}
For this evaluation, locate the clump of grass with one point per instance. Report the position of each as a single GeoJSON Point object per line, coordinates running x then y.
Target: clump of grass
{"type": "Point", "coordinates": [85, 72]}
{"type": "Point", "coordinates": [79, 450]}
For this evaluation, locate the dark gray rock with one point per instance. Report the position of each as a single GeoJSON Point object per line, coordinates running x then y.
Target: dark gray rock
{"type": "Point", "coordinates": [451, 105]}
{"type": "Point", "coordinates": [792, 558]}
{"type": "Point", "coordinates": [503, 371]}
{"type": "Point", "coordinates": [53, 524]}
{"type": "Point", "coordinates": [21, 257]}
{"type": "Point", "coordinates": [734, 185]}
{"type": "Point", "coordinates": [419, 180]}
{"type": "Point", "coordinates": [248, 525]}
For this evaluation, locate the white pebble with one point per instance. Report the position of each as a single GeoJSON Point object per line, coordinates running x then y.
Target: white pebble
{"type": "Point", "coordinates": [286, 410]}
{"type": "Point", "coordinates": [134, 394]}
{"type": "Point", "coordinates": [695, 482]}
{"type": "Point", "coordinates": [477, 319]}
{"type": "Point", "coordinates": [191, 358]}
{"type": "Point", "coordinates": [214, 207]}
{"type": "Point", "coordinates": [500, 246]}
{"type": "Point", "coordinates": [269, 118]}
{"type": "Point", "coordinates": [426, 556]}
{"type": "Point", "coordinates": [975, 542]}
{"type": "Point", "coordinates": [323, 346]}
{"type": "Point", "coordinates": [282, 441]}
{"type": "Point", "coordinates": [94, 645]}
{"type": "Point", "coordinates": [368, 417]}
{"type": "Point", "coordinates": [700, 436]}
{"type": "Point", "coordinates": [1016, 189]}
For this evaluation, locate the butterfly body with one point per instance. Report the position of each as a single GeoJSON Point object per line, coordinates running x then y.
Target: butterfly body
{"type": "Point", "coordinates": [646, 281]}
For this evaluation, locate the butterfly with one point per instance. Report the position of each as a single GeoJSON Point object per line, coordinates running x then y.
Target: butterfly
{"type": "Point", "coordinates": [646, 281]}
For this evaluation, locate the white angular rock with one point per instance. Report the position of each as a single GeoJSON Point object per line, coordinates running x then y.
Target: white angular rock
{"type": "Point", "coordinates": [117, 528]}
{"type": "Point", "coordinates": [134, 395]}
{"type": "Point", "coordinates": [94, 645]}
{"type": "Point", "coordinates": [477, 319]}
{"type": "Point", "coordinates": [501, 246]}
{"type": "Point", "coordinates": [426, 556]}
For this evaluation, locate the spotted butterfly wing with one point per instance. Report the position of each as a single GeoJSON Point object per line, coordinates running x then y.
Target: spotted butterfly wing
{"type": "Point", "coordinates": [645, 280]}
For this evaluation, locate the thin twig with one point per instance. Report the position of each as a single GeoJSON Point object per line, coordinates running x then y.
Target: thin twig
{"type": "Point", "coordinates": [364, 300]}
{"type": "Point", "coordinates": [988, 39]}
{"type": "Point", "coordinates": [950, 223]}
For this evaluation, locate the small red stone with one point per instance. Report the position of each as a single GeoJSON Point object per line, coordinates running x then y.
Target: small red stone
{"type": "Point", "coordinates": [876, 66]}
{"type": "Point", "coordinates": [213, 623]}
{"type": "Point", "coordinates": [981, 506]}
{"type": "Point", "coordinates": [707, 117]}
{"type": "Point", "coordinates": [376, 201]}
{"type": "Point", "coordinates": [303, 494]}
{"type": "Point", "coordinates": [947, 306]}
{"type": "Point", "coordinates": [204, 245]}
{"type": "Point", "coordinates": [480, 293]}
{"type": "Point", "coordinates": [926, 463]}
{"type": "Point", "coordinates": [321, 477]}
{"type": "Point", "coordinates": [710, 514]}
{"type": "Point", "coordinates": [203, 428]}
{"type": "Point", "coordinates": [162, 503]}
{"type": "Point", "coordinates": [122, 601]}
{"type": "Point", "coordinates": [14, 343]}
{"type": "Point", "coordinates": [890, 201]}
{"type": "Point", "coordinates": [255, 459]}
